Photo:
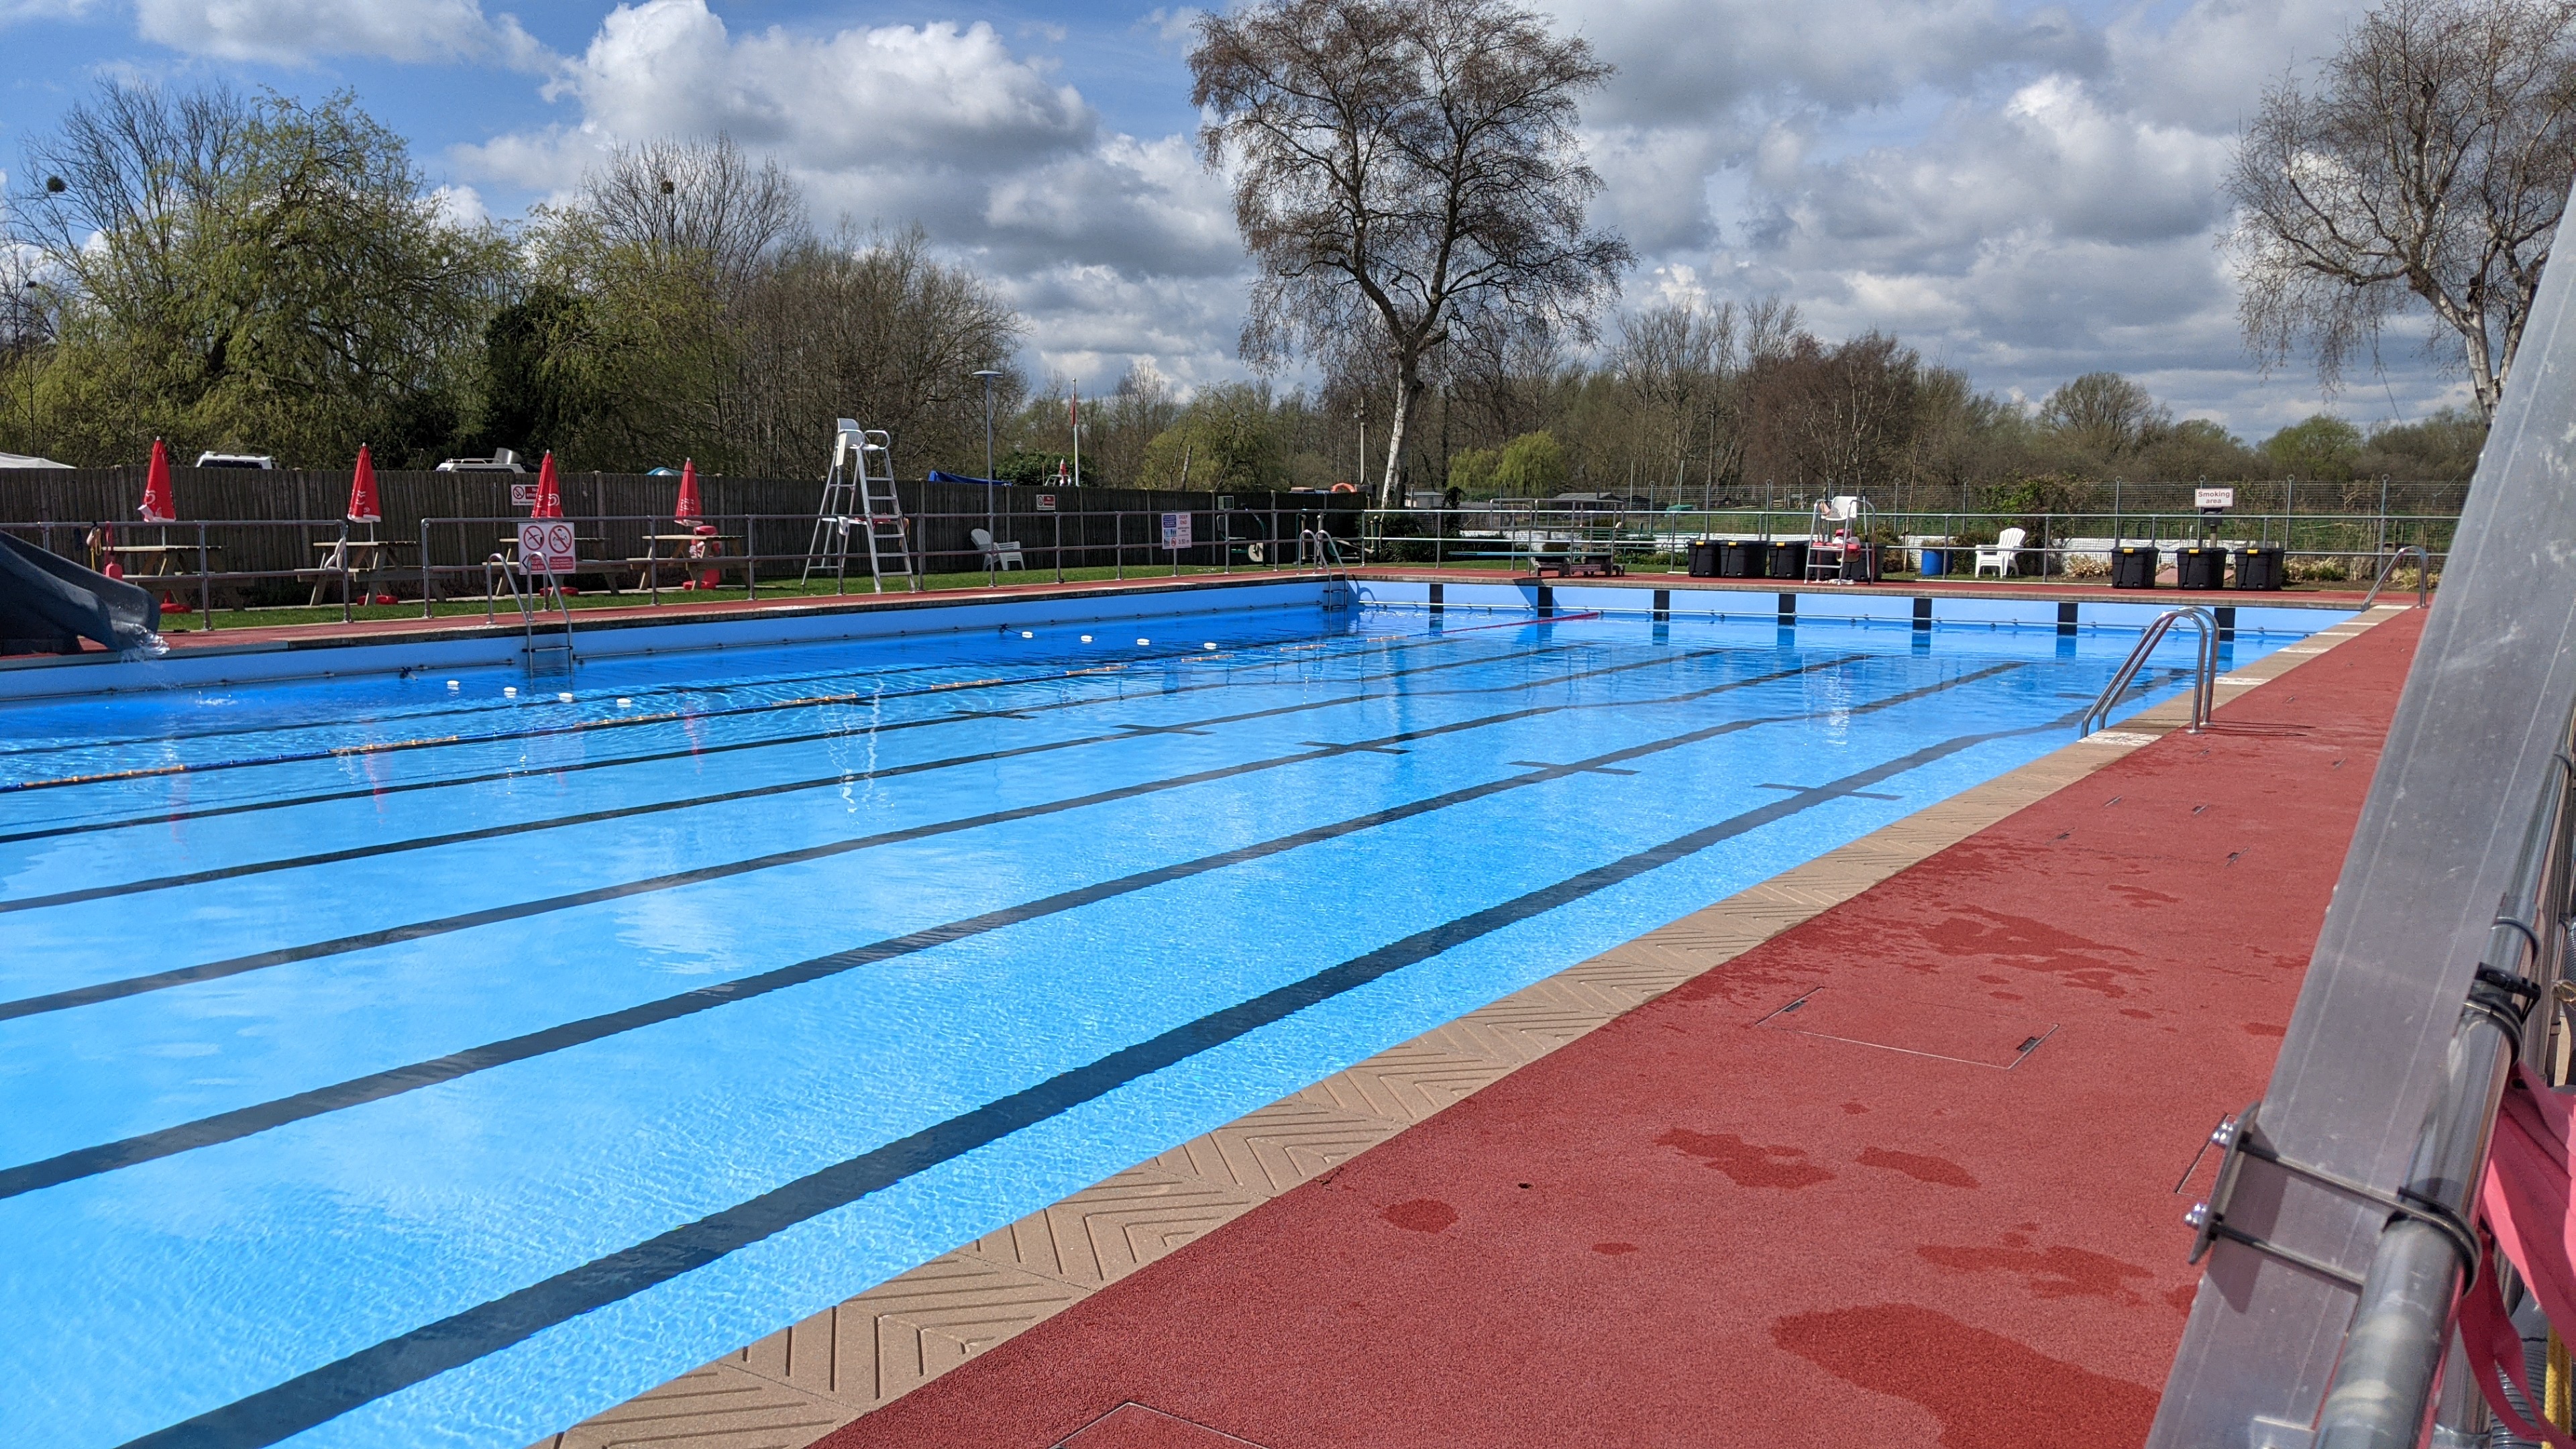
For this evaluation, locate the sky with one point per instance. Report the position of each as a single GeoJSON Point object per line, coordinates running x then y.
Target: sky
{"type": "Point", "coordinates": [2023, 192]}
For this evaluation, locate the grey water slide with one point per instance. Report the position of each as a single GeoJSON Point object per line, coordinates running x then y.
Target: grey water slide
{"type": "Point", "coordinates": [48, 604]}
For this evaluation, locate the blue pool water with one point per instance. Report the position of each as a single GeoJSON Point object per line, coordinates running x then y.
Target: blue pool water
{"type": "Point", "coordinates": [386, 1064]}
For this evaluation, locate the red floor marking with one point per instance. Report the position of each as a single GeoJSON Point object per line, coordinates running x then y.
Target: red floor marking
{"type": "Point", "coordinates": [1741, 1235]}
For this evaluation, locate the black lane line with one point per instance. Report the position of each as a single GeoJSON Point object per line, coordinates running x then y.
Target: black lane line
{"type": "Point", "coordinates": [479, 708]}
{"type": "Point", "coordinates": [370, 792]}
{"type": "Point", "coordinates": [786, 787]}
{"type": "Point", "coordinates": [418, 930]}
{"type": "Point", "coordinates": [319, 1395]}
{"type": "Point", "coordinates": [441, 742]}
{"type": "Point", "coordinates": [395, 1081]}
{"type": "Point", "coordinates": [757, 681]}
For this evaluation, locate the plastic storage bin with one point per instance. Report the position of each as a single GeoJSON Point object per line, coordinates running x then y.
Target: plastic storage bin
{"type": "Point", "coordinates": [2258, 566]}
{"type": "Point", "coordinates": [2133, 566]}
{"type": "Point", "coordinates": [1744, 558]}
{"type": "Point", "coordinates": [2200, 568]}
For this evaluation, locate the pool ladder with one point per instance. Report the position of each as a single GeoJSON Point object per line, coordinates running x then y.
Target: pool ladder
{"type": "Point", "coordinates": [500, 573]}
{"type": "Point", "coordinates": [2204, 683]}
{"type": "Point", "coordinates": [1324, 552]}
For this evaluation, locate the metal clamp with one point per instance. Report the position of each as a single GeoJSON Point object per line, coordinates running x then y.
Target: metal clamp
{"type": "Point", "coordinates": [2242, 1143]}
{"type": "Point", "coordinates": [2504, 1001]}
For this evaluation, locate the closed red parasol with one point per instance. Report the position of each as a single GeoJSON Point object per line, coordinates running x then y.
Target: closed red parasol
{"type": "Point", "coordinates": [549, 493]}
{"type": "Point", "coordinates": [158, 506]}
{"type": "Point", "coordinates": [687, 508]}
{"type": "Point", "coordinates": [363, 507]}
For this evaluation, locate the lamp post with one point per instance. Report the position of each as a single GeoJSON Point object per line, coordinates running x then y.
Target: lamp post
{"type": "Point", "coordinates": [988, 374]}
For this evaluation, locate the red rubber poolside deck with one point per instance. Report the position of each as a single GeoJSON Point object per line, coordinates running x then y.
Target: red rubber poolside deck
{"type": "Point", "coordinates": [1875, 1220]}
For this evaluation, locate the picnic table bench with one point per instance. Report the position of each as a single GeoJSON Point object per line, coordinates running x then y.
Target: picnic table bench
{"type": "Point", "coordinates": [366, 562]}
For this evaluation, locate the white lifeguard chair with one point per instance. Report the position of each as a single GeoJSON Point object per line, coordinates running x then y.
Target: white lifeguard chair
{"type": "Point", "coordinates": [858, 488]}
{"type": "Point", "coordinates": [1837, 535]}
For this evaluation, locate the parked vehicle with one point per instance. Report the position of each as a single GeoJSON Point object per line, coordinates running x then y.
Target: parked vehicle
{"type": "Point", "coordinates": [235, 460]}
{"type": "Point", "coordinates": [501, 461]}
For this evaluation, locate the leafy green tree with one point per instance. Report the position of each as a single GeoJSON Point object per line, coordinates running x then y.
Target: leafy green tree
{"type": "Point", "coordinates": [249, 274]}
{"type": "Point", "coordinates": [1531, 466]}
{"type": "Point", "coordinates": [2322, 447]}
{"type": "Point", "coordinates": [1471, 473]}
{"type": "Point", "coordinates": [2442, 448]}
{"type": "Point", "coordinates": [2192, 449]}
{"type": "Point", "coordinates": [1226, 439]}
{"type": "Point", "coordinates": [624, 348]}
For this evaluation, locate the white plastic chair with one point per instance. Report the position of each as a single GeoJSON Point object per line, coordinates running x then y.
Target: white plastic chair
{"type": "Point", "coordinates": [997, 555]}
{"type": "Point", "coordinates": [2001, 557]}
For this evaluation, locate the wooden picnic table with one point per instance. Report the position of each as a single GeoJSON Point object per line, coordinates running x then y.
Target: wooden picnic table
{"type": "Point", "coordinates": [163, 555]}
{"type": "Point", "coordinates": [367, 562]}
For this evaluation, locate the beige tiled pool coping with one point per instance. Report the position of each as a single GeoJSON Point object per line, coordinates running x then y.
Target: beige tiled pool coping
{"type": "Point", "coordinates": [796, 1385]}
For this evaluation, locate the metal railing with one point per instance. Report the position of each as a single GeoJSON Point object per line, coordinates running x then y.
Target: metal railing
{"type": "Point", "coordinates": [260, 565]}
{"type": "Point", "coordinates": [239, 564]}
{"type": "Point", "coordinates": [2388, 570]}
{"type": "Point", "coordinates": [2313, 548]}
{"type": "Point", "coordinates": [2204, 679]}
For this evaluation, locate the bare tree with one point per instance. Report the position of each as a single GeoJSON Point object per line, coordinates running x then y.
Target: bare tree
{"type": "Point", "coordinates": [703, 197]}
{"type": "Point", "coordinates": [1677, 359]}
{"type": "Point", "coordinates": [873, 327]}
{"type": "Point", "coordinates": [116, 198]}
{"type": "Point", "coordinates": [2106, 413]}
{"type": "Point", "coordinates": [1405, 162]}
{"type": "Point", "coordinates": [2431, 159]}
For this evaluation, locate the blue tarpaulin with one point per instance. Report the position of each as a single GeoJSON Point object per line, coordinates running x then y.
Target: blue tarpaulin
{"type": "Point", "coordinates": [938, 477]}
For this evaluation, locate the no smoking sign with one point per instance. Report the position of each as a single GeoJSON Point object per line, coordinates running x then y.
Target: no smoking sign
{"type": "Point", "coordinates": [545, 545]}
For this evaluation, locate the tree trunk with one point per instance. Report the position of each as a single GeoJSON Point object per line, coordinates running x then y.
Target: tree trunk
{"type": "Point", "coordinates": [1408, 391]}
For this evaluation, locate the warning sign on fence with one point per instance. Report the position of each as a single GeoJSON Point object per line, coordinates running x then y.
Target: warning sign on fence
{"type": "Point", "coordinates": [546, 544]}
{"type": "Point", "coordinates": [1176, 530]}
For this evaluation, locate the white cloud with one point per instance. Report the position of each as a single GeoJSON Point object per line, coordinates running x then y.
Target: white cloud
{"type": "Point", "coordinates": [460, 206]}
{"type": "Point", "coordinates": [1115, 246]}
{"type": "Point", "coordinates": [12, 11]}
{"type": "Point", "coordinates": [933, 94]}
{"type": "Point", "coordinates": [2024, 192]}
{"type": "Point", "coordinates": [292, 32]}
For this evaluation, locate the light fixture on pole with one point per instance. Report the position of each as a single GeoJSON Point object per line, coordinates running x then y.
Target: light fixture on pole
{"type": "Point", "coordinates": [988, 374]}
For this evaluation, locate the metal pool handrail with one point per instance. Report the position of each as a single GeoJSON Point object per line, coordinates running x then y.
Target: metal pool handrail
{"type": "Point", "coordinates": [500, 571]}
{"type": "Point", "coordinates": [2423, 575]}
{"type": "Point", "coordinates": [2204, 685]}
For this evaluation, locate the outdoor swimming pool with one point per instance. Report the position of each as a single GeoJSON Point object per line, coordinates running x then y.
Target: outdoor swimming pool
{"type": "Point", "coordinates": [389, 1064]}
